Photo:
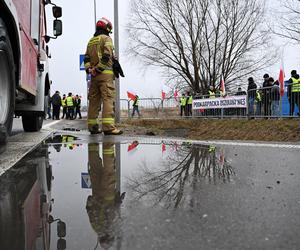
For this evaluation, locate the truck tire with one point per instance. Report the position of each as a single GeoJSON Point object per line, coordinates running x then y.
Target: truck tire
{"type": "Point", "coordinates": [7, 84]}
{"type": "Point", "coordinates": [32, 122]}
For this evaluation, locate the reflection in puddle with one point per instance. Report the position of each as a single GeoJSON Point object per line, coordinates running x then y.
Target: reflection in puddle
{"type": "Point", "coordinates": [26, 205]}
{"type": "Point", "coordinates": [68, 141]}
{"type": "Point", "coordinates": [71, 129]}
{"type": "Point", "coordinates": [104, 203]}
{"type": "Point", "coordinates": [81, 188]}
{"type": "Point", "coordinates": [183, 171]}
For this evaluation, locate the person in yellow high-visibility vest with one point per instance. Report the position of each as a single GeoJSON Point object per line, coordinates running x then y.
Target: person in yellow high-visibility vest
{"type": "Point", "coordinates": [294, 91]}
{"type": "Point", "coordinates": [64, 106]}
{"type": "Point", "coordinates": [183, 101]}
{"type": "Point", "coordinates": [70, 106]}
{"type": "Point", "coordinates": [211, 95]}
{"type": "Point", "coordinates": [98, 62]}
{"type": "Point", "coordinates": [135, 106]}
{"type": "Point", "coordinates": [189, 104]}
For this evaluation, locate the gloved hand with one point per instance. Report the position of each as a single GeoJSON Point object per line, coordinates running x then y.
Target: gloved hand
{"type": "Point", "coordinates": [92, 71]}
{"type": "Point", "coordinates": [117, 68]}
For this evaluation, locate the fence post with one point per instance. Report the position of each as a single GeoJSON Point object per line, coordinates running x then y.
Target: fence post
{"type": "Point", "coordinates": [280, 106]}
{"type": "Point", "coordinates": [128, 108]}
{"type": "Point", "coordinates": [247, 108]}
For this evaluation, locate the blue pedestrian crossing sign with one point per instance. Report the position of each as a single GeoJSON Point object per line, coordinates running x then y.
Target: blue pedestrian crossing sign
{"type": "Point", "coordinates": [81, 62]}
{"type": "Point", "coordinates": [86, 181]}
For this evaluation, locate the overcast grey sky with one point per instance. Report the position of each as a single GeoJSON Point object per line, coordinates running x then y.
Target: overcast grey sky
{"type": "Point", "coordinates": [78, 28]}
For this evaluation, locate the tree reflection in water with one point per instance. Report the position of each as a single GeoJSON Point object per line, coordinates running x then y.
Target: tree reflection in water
{"type": "Point", "coordinates": [184, 169]}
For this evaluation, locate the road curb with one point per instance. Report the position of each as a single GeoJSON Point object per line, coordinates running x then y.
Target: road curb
{"type": "Point", "coordinates": [19, 146]}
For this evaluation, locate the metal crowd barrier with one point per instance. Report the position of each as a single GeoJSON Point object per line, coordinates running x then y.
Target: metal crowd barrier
{"type": "Point", "coordinates": [256, 103]}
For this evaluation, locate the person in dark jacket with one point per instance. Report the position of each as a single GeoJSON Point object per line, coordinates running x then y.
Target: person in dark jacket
{"type": "Point", "coordinates": [77, 107]}
{"type": "Point", "coordinates": [56, 103]}
{"type": "Point", "coordinates": [275, 98]}
{"type": "Point", "coordinates": [251, 95]}
{"type": "Point", "coordinates": [266, 94]}
{"type": "Point", "coordinates": [240, 92]}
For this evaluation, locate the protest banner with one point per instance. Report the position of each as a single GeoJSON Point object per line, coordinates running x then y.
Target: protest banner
{"type": "Point", "coordinates": [221, 102]}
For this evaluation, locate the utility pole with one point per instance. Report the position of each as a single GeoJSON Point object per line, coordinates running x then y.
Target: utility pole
{"type": "Point", "coordinates": [95, 14]}
{"type": "Point", "coordinates": [117, 81]}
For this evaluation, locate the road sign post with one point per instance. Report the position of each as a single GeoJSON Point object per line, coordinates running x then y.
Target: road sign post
{"type": "Point", "coordinates": [81, 62]}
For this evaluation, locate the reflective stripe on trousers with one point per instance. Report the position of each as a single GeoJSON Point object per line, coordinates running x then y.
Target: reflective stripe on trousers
{"type": "Point", "coordinates": [102, 90]}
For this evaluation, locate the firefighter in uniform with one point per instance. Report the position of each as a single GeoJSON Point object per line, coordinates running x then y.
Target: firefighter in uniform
{"type": "Point", "coordinates": [104, 203]}
{"type": "Point", "coordinates": [99, 63]}
{"type": "Point", "coordinates": [183, 105]}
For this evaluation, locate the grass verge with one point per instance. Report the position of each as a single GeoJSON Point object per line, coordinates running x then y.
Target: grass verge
{"type": "Point", "coordinates": [286, 130]}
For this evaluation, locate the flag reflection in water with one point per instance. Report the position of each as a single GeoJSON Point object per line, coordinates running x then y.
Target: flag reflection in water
{"type": "Point", "coordinates": [182, 172]}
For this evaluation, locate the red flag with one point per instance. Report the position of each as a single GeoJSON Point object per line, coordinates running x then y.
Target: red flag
{"type": "Point", "coordinates": [281, 80]}
{"type": "Point", "coordinates": [176, 94]}
{"type": "Point", "coordinates": [163, 147]}
{"type": "Point", "coordinates": [132, 146]}
{"type": "Point", "coordinates": [222, 86]}
{"type": "Point", "coordinates": [163, 95]}
{"type": "Point", "coordinates": [130, 95]}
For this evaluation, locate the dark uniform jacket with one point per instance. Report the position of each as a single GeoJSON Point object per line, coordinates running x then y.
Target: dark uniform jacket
{"type": "Point", "coordinates": [56, 100]}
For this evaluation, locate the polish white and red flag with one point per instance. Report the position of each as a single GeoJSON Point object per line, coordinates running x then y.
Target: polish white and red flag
{"type": "Point", "coordinates": [222, 86]}
{"type": "Point", "coordinates": [130, 96]}
{"type": "Point", "coordinates": [281, 80]}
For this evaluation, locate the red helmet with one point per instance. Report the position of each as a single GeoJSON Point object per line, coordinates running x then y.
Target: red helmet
{"type": "Point", "coordinates": [104, 24]}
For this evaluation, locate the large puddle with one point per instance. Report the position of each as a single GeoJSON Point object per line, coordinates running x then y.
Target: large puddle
{"type": "Point", "coordinates": [71, 193]}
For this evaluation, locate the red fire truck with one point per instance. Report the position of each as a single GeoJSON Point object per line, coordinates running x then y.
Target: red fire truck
{"type": "Point", "coordinates": [24, 72]}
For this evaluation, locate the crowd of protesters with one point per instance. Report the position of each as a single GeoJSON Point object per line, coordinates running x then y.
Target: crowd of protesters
{"type": "Point", "coordinates": [265, 101]}
{"type": "Point", "coordinates": [70, 105]}
{"type": "Point", "coordinates": [262, 101]}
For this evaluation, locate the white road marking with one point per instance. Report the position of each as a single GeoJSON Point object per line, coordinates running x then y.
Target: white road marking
{"type": "Point", "coordinates": [251, 144]}
{"type": "Point", "coordinates": [50, 124]}
{"type": "Point", "coordinates": [215, 142]}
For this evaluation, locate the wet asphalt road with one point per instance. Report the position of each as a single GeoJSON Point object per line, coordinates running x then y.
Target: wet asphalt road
{"type": "Point", "coordinates": [18, 127]}
{"type": "Point", "coordinates": [144, 193]}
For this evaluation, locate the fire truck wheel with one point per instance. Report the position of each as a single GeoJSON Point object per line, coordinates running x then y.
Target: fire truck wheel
{"type": "Point", "coordinates": [7, 84]}
{"type": "Point", "coordinates": [32, 122]}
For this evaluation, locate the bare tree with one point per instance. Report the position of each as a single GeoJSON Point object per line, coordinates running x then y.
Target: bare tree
{"type": "Point", "coordinates": [181, 175]}
{"type": "Point", "coordinates": [289, 22]}
{"type": "Point", "coordinates": [195, 42]}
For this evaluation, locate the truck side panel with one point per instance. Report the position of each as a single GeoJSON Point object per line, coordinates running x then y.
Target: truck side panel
{"type": "Point", "coordinates": [29, 49]}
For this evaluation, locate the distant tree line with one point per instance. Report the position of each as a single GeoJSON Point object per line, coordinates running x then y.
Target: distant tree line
{"type": "Point", "coordinates": [289, 22]}
{"type": "Point", "coordinates": [196, 42]}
